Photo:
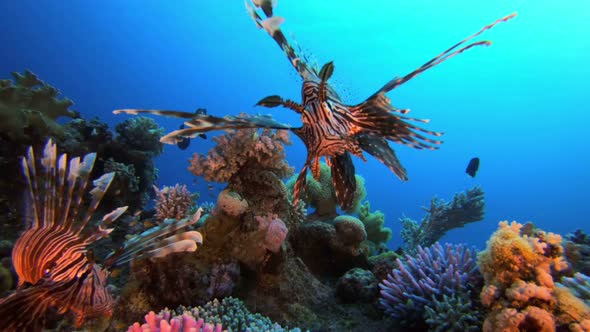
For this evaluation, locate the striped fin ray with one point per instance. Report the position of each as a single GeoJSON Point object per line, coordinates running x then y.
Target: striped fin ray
{"type": "Point", "coordinates": [159, 241]}
{"type": "Point", "coordinates": [101, 185]}
{"type": "Point", "coordinates": [210, 123]}
{"type": "Point", "coordinates": [168, 113]}
{"type": "Point", "coordinates": [24, 309]}
{"type": "Point", "coordinates": [271, 25]}
{"type": "Point", "coordinates": [447, 54]}
{"type": "Point", "coordinates": [300, 184]}
{"type": "Point", "coordinates": [380, 149]}
{"type": "Point", "coordinates": [376, 116]}
{"type": "Point", "coordinates": [343, 179]}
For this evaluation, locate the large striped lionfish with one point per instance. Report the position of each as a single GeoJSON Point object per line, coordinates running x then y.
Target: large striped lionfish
{"type": "Point", "coordinates": [330, 129]}
{"type": "Point", "coordinates": [55, 268]}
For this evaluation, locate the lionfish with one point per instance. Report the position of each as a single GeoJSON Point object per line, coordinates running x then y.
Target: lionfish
{"type": "Point", "coordinates": [55, 268]}
{"type": "Point", "coordinates": [331, 128]}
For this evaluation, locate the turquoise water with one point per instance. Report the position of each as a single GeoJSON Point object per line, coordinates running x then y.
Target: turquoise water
{"type": "Point", "coordinates": [521, 105]}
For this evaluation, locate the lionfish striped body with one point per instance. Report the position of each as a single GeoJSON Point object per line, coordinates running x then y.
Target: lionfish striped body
{"type": "Point", "coordinates": [330, 129]}
{"type": "Point", "coordinates": [51, 257]}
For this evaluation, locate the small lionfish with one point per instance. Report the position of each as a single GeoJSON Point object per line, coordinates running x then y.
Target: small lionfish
{"type": "Point", "coordinates": [331, 129]}
{"type": "Point", "coordinates": [55, 268]}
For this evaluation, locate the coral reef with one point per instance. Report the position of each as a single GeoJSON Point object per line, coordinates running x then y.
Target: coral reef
{"type": "Point", "coordinates": [441, 217]}
{"type": "Point", "coordinates": [320, 194]}
{"type": "Point", "coordinates": [357, 285]}
{"type": "Point", "coordinates": [520, 267]}
{"type": "Point", "coordinates": [141, 134]}
{"type": "Point", "coordinates": [173, 202]}
{"type": "Point", "coordinates": [579, 285]}
{"type": "Point", "coordinates": [433, 273]}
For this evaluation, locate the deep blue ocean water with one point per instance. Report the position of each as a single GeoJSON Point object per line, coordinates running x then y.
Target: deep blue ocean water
{"type": "Point", "coordinates": [520, 105]}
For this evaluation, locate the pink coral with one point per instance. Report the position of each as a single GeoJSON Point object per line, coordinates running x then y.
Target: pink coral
{"type": "Point", "coordinates": [165, 322]}
{"type": "Point", "coordinates": [173, 202]}
{"type": "Point", "coordinates": [239, 149]}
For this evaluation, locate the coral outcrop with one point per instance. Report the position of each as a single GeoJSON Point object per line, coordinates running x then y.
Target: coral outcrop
{"type": "Point", "coordinates": [173, 202]}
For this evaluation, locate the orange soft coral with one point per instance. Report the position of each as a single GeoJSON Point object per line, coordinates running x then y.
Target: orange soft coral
{"type": "Point", "coordinates": [519, 267]}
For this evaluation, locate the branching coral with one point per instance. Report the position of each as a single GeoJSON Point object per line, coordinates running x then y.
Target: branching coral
{"type": "Point", "coordinates": [433, 273]}
{"type": "Point", "coordinates": [238, 150]}
{"type": "Point", "coordinates": [141, 134]}
{"type": "Point", "coordinates": [520, 266]}
{"type": "Point", "coordinates": [321, 196]}
{"type": "Point", "coordinates": [173, 202]}
{"type": "Point", "coordinates": [441, 217]}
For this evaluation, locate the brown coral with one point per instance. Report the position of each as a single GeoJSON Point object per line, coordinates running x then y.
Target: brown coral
{"type": "Point", "coordinates": [237, 150]}
{"type": "Point", "coordinates": [173, 202]}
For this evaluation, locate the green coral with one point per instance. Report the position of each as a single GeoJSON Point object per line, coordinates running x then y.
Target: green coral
{"type": "Point", "coordinates": [141, 134]}
{"type": "Point", "coordinates": [234, 316]}
{"type": "Point", "coordinates": [453, 314]}
{"type": "Point", "coordinates": [321, 196]}
{"type": "Point", "coordinates": [31, 104]}
{"type": "Point", "coordinates": [373, 222]}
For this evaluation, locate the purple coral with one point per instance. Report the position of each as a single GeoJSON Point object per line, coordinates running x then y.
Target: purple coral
{"type": "Point", "coordinates": [173, 202]}
{"type": "Point", "coordinates": [434, 272]}
{"type": "Point", "coordinates": [165, 322]}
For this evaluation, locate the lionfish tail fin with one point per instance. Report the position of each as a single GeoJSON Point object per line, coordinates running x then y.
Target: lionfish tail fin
{"type": "Point", "coordinates": [380, 149]}
{"type": "Point", "coordinates": [169, 237]}
{"type": "Point", "coordinates": [456, 49]}
{"type": "Point", "coordinates": [271, 24]}
{"type": "Point", "coordinates": [376, 116]}
{"type": "Point", "coordinates": [343, 179]}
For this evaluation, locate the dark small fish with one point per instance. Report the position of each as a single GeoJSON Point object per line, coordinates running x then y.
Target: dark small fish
{"type": "Point", "coordinates": [472, 167]}
{"type": "Point", "coordinates": [184, 142]}
{"type": "Point", "coordinates": [210, 187]}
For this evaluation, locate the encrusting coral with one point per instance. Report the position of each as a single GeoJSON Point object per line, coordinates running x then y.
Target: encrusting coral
{"type": "Point", "coordinates": [441, 217]}
{"type": "Point", "coordinates": [520, 266]}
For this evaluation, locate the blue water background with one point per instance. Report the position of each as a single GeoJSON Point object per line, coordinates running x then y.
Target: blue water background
{"type": "Point", "coordinates": [520, 105]}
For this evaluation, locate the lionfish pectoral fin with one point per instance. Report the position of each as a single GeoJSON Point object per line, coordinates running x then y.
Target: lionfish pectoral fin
{"type": "Point", "coordinates": [300, 184]}
{"type": "Point", "coordinates": [169, 237]}
{"type": "Point", "coordinates": [274, 101]}
{"type": "Point", "coordinates": [447, 54]}
{"type": "Point", "coordinates": [380, 149]}
{"type": "Point", "coordinates": [168, 113]}
{"type": "Point", "coordinates": [205, 123]}
{"type": "Point", "coordinates": [343, 179]}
